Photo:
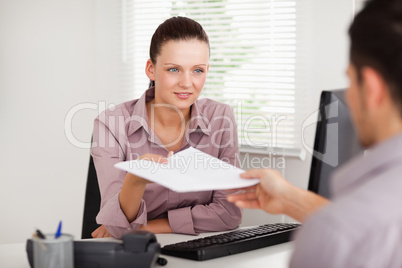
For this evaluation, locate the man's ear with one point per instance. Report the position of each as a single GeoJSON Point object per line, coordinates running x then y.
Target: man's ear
{"type": "Point", "coordinates": [375, 87]}
{"type": "Point", "coordinates": [150, 70]}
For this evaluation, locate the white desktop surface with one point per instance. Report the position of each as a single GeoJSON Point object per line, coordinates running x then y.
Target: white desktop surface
{"type": "Point", "coordinates": [14, 255]}
{"type": "Point", "coordinates": [277, 256]}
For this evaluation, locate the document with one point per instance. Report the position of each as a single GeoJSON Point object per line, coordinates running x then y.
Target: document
{"type": "Point", "coordinates": [190, 170]}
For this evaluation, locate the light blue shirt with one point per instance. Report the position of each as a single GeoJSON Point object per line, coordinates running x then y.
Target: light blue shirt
{"type": "Point", "coordinates": [362, 227]}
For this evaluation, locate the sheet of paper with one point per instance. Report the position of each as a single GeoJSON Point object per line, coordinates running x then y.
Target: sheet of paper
{"type": "Point", "coordinates": [189, 171]}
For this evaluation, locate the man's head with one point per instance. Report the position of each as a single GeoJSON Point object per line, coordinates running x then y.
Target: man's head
{"type": "Point", "coordinates": [375, 71]}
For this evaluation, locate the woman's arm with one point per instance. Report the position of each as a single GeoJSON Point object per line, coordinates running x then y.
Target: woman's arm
{"type": "Point", "coordinates": [133, 189]}
{"type": "Point", "coordinates": [157, 226]}
{"type": "Point", "coordinates": [217, 215]}
{"type": "Point", "coordinates": [107, 150]}
{"type": "Point", "coordinates": [130, 196]}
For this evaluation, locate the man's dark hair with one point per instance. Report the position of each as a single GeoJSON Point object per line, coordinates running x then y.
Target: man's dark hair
{"type": "Point", "coordinates": [376, 42]}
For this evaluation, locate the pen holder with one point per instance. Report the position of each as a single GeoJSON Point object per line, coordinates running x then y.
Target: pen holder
{"type": "Point", "coordinates": [53, 252]}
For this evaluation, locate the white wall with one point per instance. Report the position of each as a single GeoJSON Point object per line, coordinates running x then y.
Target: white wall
{"type": "Point", "coordinates": [55, 55]}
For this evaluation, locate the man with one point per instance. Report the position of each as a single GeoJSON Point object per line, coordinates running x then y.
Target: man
{"type": "Point", "coordinates": [362, 225]}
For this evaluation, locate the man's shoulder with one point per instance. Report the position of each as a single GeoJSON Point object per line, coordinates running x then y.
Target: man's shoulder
{"type": "Point", "coordinates": [351, 226]}
{"type": "Point", "coordinates": [348, 234]}
{"type": "Point", "coordinates": [378, 189]}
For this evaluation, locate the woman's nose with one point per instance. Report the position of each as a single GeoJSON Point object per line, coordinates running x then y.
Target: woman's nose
{"type": "Point", "coordinates": [185, 80]}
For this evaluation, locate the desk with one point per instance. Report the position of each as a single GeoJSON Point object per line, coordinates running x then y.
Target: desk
{"type": "Point", "coordinates": [14, 255]}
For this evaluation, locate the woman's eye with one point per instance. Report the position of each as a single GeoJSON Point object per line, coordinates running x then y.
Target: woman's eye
{"type": "Point", "coordinates": [173, 70]}
{"type": "Point", "coordinates": [199, 71]}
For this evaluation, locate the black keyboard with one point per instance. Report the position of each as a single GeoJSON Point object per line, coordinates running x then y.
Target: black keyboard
{"type": "Point", "coordinates": [233, 242]}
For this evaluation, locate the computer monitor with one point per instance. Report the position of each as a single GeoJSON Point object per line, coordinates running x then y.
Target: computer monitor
{"type": "Point", "coordinates": [335, 140]}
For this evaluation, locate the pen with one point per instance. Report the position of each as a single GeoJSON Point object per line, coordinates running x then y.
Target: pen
{"type": "Point", "coordinates": [40, 234]}
{"type": "Point", "coordinates": [58, 232]}
{"type": "Point", "coordinates": [36, 236]}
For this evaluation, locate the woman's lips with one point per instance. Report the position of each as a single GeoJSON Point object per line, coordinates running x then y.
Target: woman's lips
{"type": "Point", "coordinates": [183, 95]}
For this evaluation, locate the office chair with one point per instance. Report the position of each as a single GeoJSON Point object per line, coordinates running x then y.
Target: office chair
{"type": "Point", "coordinates": [92, 202]}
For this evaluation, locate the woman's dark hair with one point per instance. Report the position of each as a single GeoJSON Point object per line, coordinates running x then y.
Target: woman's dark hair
{"type": "Point", "coordinates": [175, 28]}
{"type": "Point", "coordinates": [376, 42]}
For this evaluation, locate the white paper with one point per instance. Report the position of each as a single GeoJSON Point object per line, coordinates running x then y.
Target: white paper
{"type": "Point", "coordinates": [189, 171]}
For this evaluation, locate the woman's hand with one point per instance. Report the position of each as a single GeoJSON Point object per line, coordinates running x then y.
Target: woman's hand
{"type": "Point", "coordinates": [100, 232]}
{"type": "Point", "coordinates": [151, 157]}
{"type": "Point", "coordinates": [133, 188]}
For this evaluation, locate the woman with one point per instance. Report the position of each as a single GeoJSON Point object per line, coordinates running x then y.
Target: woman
{"type": "Point", "coordinates": [167, 118]}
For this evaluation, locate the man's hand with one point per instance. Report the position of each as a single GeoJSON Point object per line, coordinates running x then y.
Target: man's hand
{"type": "Point", "coordinates": [267, 195]}
{"type": "Point", "coordinates": [276, 195]}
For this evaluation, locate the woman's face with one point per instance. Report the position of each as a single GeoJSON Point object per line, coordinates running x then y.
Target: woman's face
{"type": "Point", "coordinates": [180, 72]}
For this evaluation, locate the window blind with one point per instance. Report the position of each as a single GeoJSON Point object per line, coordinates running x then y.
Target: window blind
{"type": "Point", "coordinates": [256, 51]}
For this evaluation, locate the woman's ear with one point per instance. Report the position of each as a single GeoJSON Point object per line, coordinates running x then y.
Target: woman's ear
{"type": "Point", "coordinates": [150, 70]}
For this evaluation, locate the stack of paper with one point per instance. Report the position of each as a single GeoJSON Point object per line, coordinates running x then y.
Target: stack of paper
{"type": "Point", "coordinates": [189, 171]}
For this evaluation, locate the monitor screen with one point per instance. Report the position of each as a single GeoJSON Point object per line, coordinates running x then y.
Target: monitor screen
{"type": "Point", "coordinates": [335, 140]}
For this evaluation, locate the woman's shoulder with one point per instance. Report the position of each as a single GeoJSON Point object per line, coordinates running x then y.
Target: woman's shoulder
{"type": "Point", "coordinates": [124, 109]}
{"type": "Point", "coordinates": [206, 105]}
